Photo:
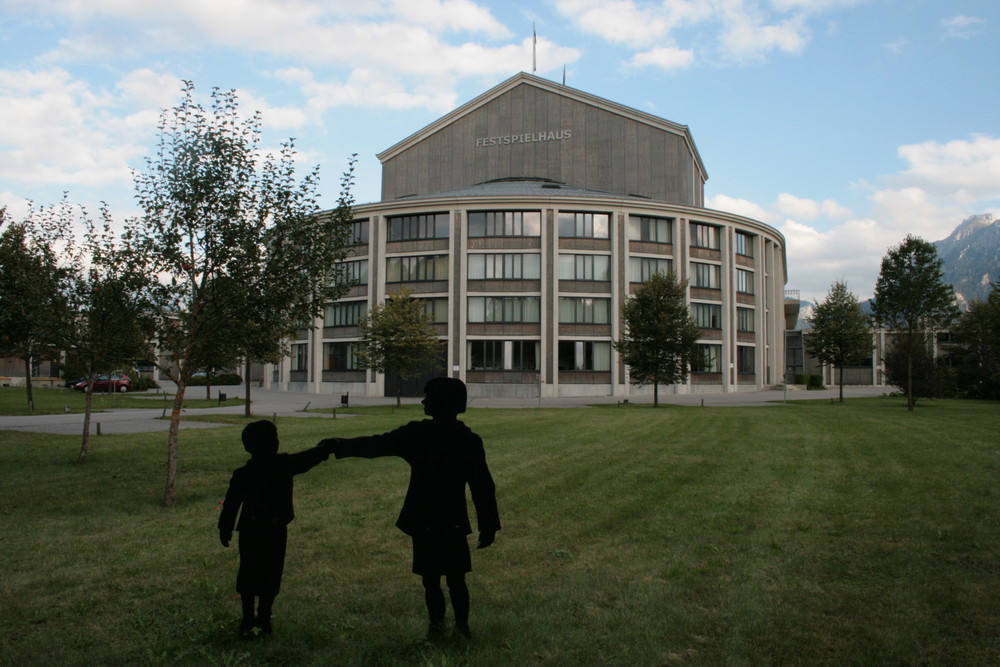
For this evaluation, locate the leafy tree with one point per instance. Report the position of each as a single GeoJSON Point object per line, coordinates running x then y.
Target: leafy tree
{"type": "Point", "coordinates": [929, 376]}
{"type": "Point", "coordinates": [397, 339]}
{"type": "Point", "coordinates": [978, 333]}
{"type": "Point", "coordinates": [841, 333]}
{"type": "Point", "coordinates": [912, 300]}
{"type": "Point", "coordinates": [112, 324]}
{"type": "Point", "coordinates": [33, 309]}
{"type": "Point", "coordinates": [659, 344]}
{"type": "Point", "coordinates": [242, 257]}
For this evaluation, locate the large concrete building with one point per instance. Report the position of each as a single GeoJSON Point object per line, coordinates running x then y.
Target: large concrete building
{"type": "Point", "coordinates": [524, 219]}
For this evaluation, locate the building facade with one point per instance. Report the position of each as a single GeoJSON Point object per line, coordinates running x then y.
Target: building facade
{"type": "Point", "coordinates": [523, 220]}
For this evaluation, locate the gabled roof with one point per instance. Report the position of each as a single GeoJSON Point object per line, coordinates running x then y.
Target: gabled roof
{"type": "Point", "coordinates": [525, 79]}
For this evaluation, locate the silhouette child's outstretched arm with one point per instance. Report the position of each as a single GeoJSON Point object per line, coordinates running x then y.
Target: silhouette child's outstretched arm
{"type": "Point", "coordinates": [300, 462]}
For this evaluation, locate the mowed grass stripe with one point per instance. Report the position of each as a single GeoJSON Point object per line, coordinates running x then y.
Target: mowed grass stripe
{"type": "Point", "coordinates": [807, 533]}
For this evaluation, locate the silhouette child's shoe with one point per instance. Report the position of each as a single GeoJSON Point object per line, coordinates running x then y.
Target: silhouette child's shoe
{"type": "Point", "coordinates": [463, 631]}
{"type": "Point", "coordinates": [435, 632]}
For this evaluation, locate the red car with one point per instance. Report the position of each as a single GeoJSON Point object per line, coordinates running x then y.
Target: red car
{"type": "Point", "coordinates": [105, 383]}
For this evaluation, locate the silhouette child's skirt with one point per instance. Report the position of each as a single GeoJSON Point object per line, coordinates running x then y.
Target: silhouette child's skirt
{"type": "Point", "coordinates": [262, 559]}
{"type": "Point", "coordinates": [441, 553]}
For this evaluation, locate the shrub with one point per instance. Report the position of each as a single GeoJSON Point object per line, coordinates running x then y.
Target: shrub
{"type": "Point", "coordinates": [143, 382]}
{"type": "Point", "coordinates": [220, 380]}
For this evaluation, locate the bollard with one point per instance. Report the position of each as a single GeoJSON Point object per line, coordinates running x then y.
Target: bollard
{"type": "Point", "coordinates": [335, 413]}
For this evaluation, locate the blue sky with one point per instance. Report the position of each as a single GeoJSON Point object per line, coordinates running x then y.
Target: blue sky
{"type": "Point", "coordinates": [845, 124]}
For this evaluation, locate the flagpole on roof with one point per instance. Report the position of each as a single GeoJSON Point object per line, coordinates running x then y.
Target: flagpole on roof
{"type": "Point", "coordinates": [534, 48]}
{"type": "Point", "coordinates": [564, 75]}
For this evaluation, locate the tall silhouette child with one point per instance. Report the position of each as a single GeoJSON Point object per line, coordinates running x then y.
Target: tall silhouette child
{"type": "Point", "coordinates": [444, 456]}
{"type": "Point", "coordinates": [263, 489]}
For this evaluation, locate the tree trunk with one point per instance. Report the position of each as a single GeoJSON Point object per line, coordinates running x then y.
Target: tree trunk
{"type": "Point", "coordinates": [656, 393]}
{"type": "Point", "coordinates": [169, 495]}
{"type": "Point", "coordinates": [841, 371]}
{"type": "Point", "coordinates": [88, 405]}
{"type": "Point", "coordinates": [246, 381]}
{"type": "Point", "coordinates": [909, 382]}
{"type": "Point", "coordinates": [27, 384]}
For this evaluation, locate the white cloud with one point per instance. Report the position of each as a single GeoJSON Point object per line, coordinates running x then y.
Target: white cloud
{"type": "Point", "coordinates": [962, 27]}
{"type": "Point", "coordinates": [897, 46]}
{"type": "Point", "coordinates": [744, 207]}
{"type": "Point", "coordinates": [809, 209]}
{"type": "Point", "coordinates": [54, 129]}
{"type": "Point", "coordinates": [666, 58]}
{"type": "Point", "coordinates": [970, 167]}
{"type": "Point", "coordinates": [743, 30]}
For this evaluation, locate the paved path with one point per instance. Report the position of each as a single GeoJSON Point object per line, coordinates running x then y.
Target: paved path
{"type": "Point", "coordinates": [267, 403]}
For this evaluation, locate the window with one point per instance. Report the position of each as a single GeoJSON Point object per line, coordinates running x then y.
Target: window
{"type": "Point", "coordinates": [584, 225]}
{"type": "Point", "coordinates": [415, 227]}
{"type": "Point", "coordinates": [340, 357]}
{"type": "Point", "coordinates": [642, 268]}
{"type": "Point", "coordinates": [503, 355]}
{"type": "Point", "coordinates": [499, 309]}
{"type": "Point", "coordinates": [356, 273]}
{"type": "Point", "coordinates": [744, 319]}
{"type": "Point", "coordinates": [584, 310]}
{"type": "Point", "coordinates": [706, 275]}
{"type": "Point", "coordinates": [745, 359]}
{"type": "Point", "coordinates": [435, 309]}
{"type": "Point", "coordinates": [584, 356]}
{"type": "Point", "coordinates": [704, 236]}
{"type": "Point", "coordinates": [300, 357]}
{"type": "Point", "coordinates": [709, 359]}
{"type": "Point", "coordinates": [744, 244]}
{"type": "Point", "coordinates": [744, 281]}
{"type": "Point", "coordinates": [505, 223]}
{"type": "Point", "coordinates": [506, 266]}
{"type": "Point", "coordinates": [655, 230]}
{"type": "Point", "coordinates": [416, 268]}
{"type": "Point", "coordinates": [584, 267]}
{"type": "Point", "coordinates": [707, 315]}
{"type": "Point", "coordinates": [344, 314]}
{"type": "Point", "coordinates": [359, 233]}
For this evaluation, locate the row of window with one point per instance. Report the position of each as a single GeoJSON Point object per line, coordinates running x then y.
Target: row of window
{"type": "Point", "coordinates": [527, 266]}
{"type": "Point", "coordinates": [527, 309]}
{"type": "Point", "coordinates": [525, 355]}
{"type": "Point", "coordinates": [529, 223]}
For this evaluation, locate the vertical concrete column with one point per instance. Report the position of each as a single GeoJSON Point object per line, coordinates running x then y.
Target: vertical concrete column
{"type": "Point", "coordinates": [728, 282]}
{"type": "Point", "coordinates": [549, 325]}
{"type": "Point", "coordinates": [458, 251]}
{"type": "Point", "coordinates": [760, 313]}
{"type": "Point", "coordinates": [619, 285]}
{"type": "Point", "coordinates": [376, 285]}
{"type": "Point", "coordinates": [682, 266]}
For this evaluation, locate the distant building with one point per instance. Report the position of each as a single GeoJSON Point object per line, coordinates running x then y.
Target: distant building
{"type": "Point", "coordinates": [524, 219]}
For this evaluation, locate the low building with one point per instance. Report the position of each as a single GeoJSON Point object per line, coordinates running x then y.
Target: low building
{"type": "Point", "coordinates": [524, 219]}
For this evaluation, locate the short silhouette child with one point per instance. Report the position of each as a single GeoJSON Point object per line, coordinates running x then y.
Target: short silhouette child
{"type": "Point", "coordinates": [263, 489]}
{"type": "Point", "coordinates": [444, 456]}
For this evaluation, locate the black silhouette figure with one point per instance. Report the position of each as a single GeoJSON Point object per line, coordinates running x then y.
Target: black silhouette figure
{"type": "Point", "coordinates": [444, 456]}
{"type": "Point", "coordinates": [263, 488]}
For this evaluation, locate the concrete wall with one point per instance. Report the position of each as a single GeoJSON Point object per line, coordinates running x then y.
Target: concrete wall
{"type": "Point", "coordinates": [534, 133]}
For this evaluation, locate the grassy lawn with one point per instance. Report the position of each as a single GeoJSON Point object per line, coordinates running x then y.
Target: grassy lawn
{"type": "Point", "coordinates": [806, 534]}
{"type": "Point", "coordinates": [14, 400]}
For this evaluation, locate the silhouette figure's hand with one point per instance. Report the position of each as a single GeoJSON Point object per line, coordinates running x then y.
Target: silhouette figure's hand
{"type": "Point", "coordinates": [329, 444]}
{"type": "Point", "coordinates": [224, 537]}
{"type": "Point", "coordinates": [486, 538]}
